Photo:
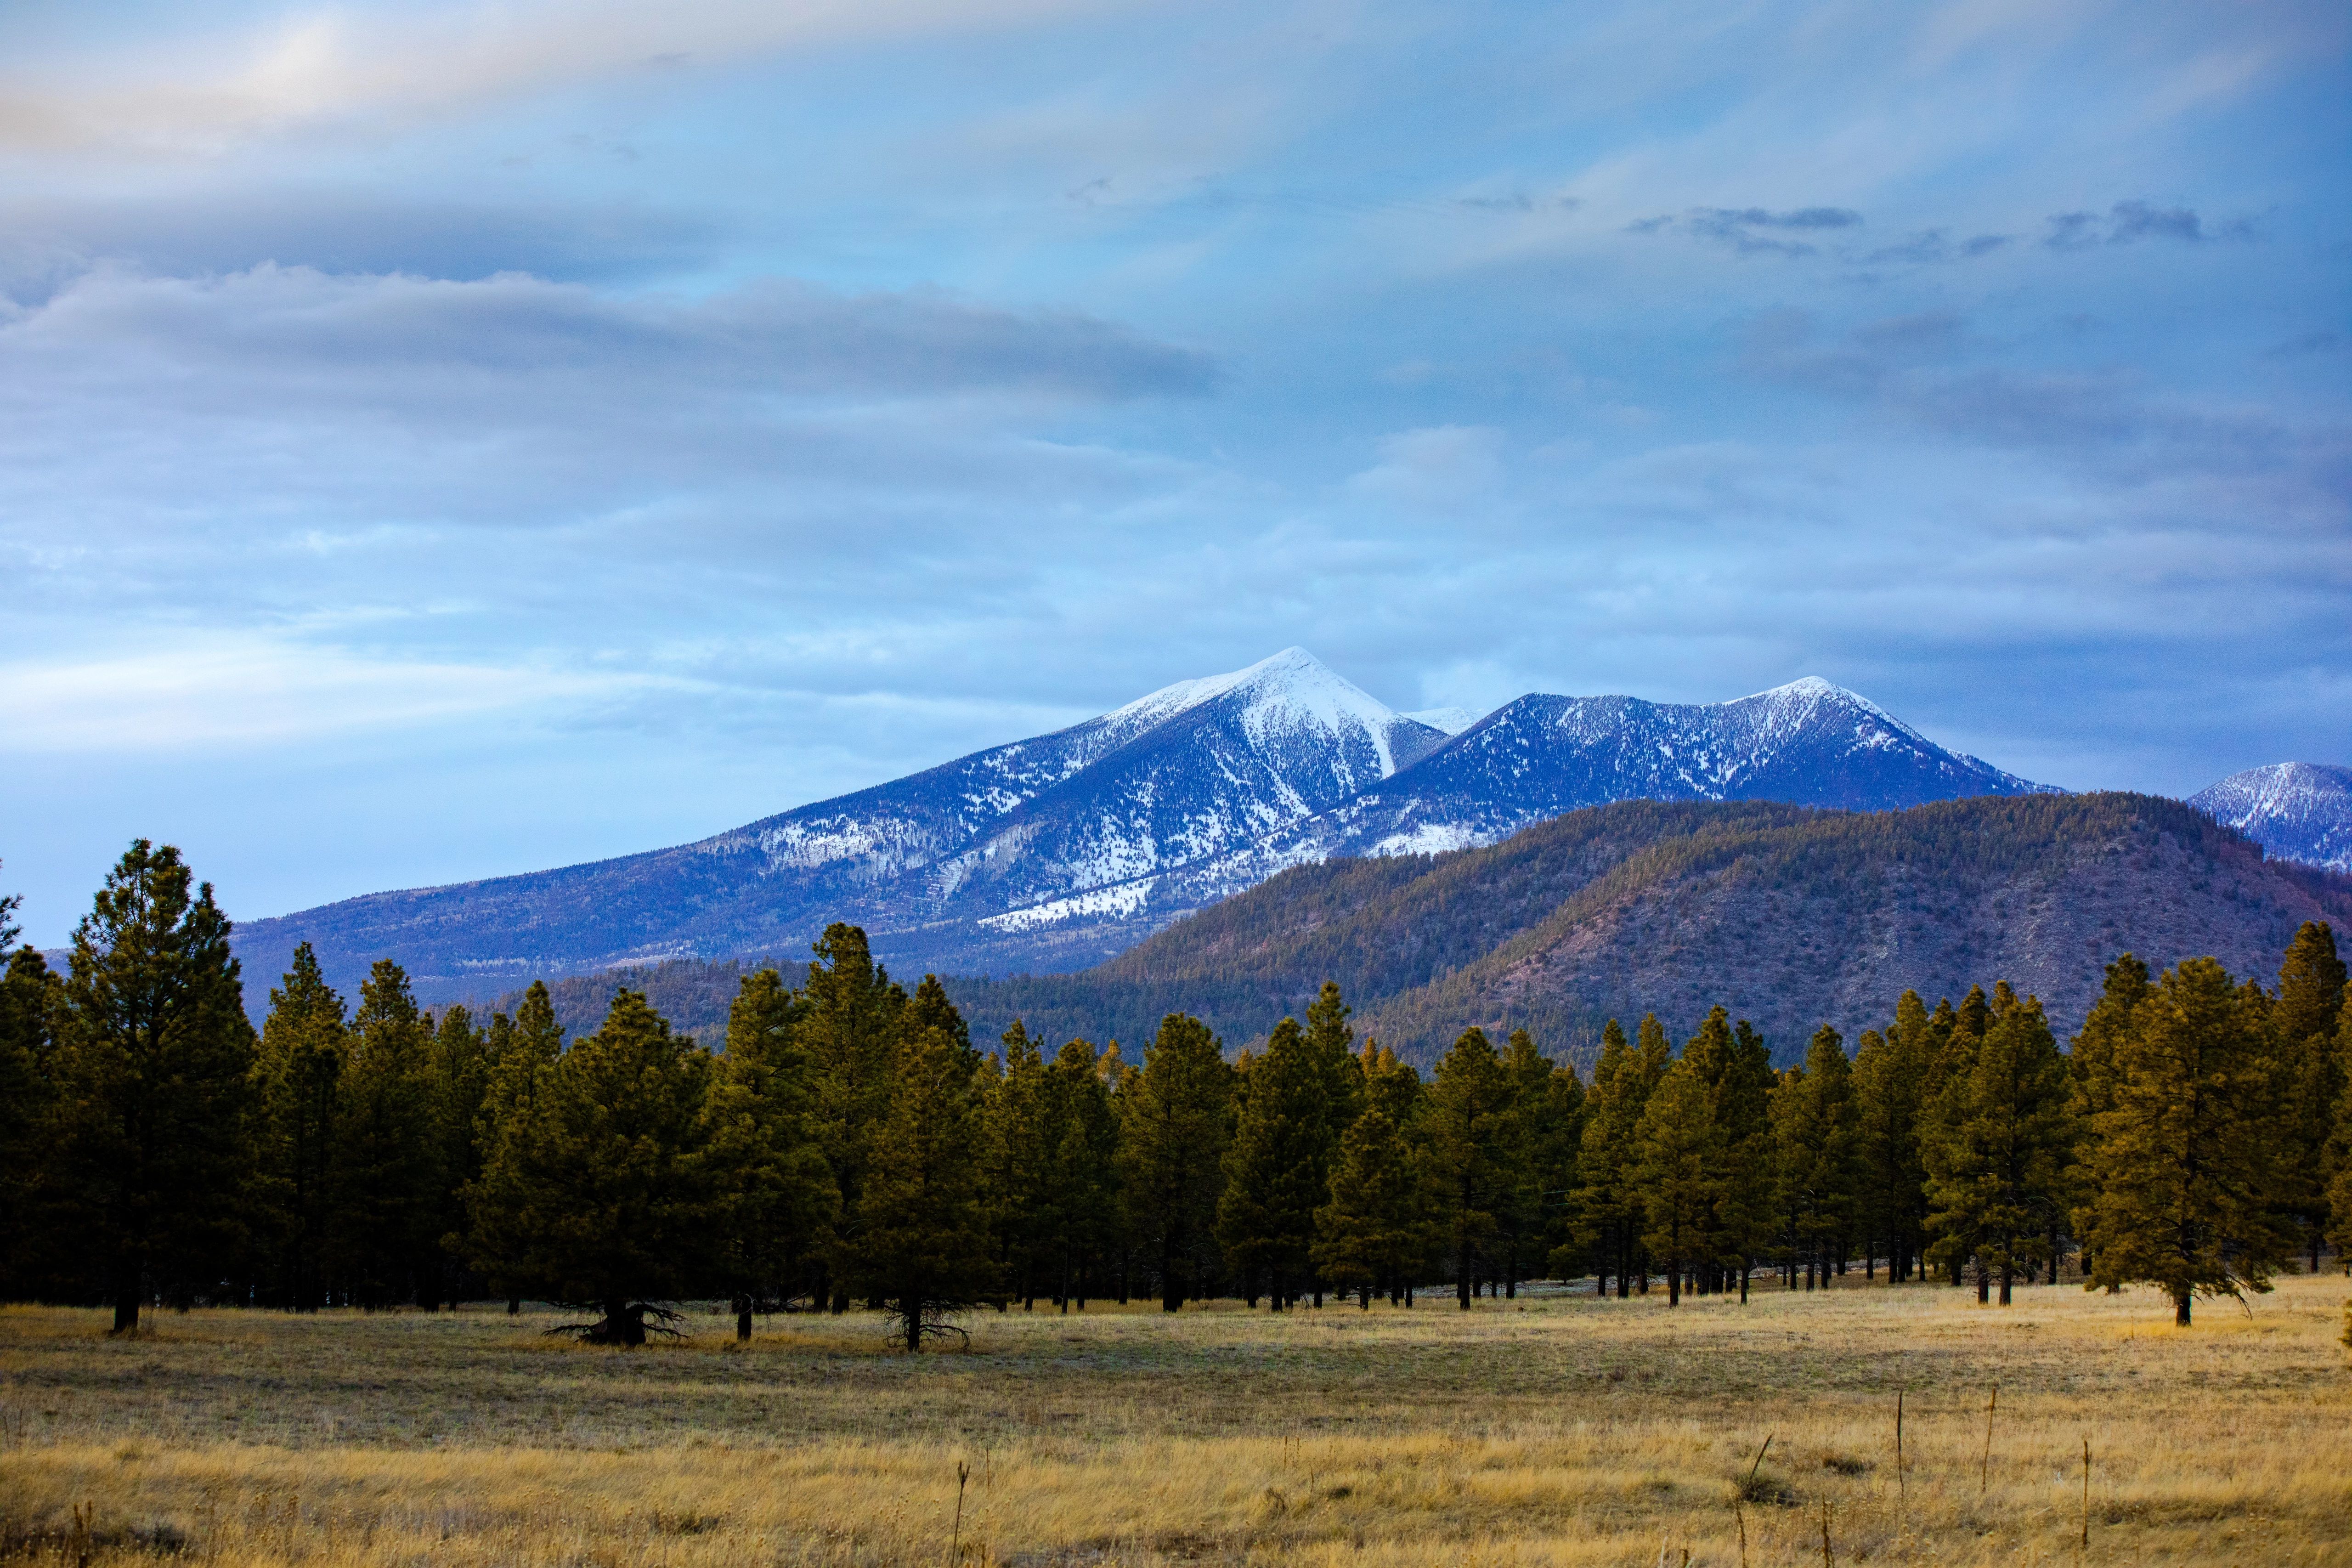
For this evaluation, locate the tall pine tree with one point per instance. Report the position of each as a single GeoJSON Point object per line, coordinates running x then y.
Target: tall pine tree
{"type": "Point", "coordinates": [777, 1199]}
{"type": "Point", "coordinates": [151, 1068]}
{"type": "Point", "coordinates": [601, 1193]}
{"type": "Point", "coordinates": [2184, 1160]}
{"type": "Point", "coordinates": [2313, 1079]}
{"type": "Point", "coordinates": [386, 1175]}
{"type": "Point", "coordinates": [297, 1079]}
{"type": "Point", "coordinates": [1463, 1119]}
{"type": "Point", "coordinates": [1996, 1163]}
{"type": "Point", "coordinates": [1175, 1121]}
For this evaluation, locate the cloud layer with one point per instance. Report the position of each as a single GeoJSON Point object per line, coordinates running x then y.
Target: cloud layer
{"type": "Point", "coordinates": [441, 443]}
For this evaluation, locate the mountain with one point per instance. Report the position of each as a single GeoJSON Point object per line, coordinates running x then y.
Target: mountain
{"type": "Point", "coordinates": [1064, 829]}
{"type": "Point", "coordinates": [1054, 853]}
{"type": "Point", "coordinates": [1792, 917]}
{"type": "Point", "coordinates": [2300, 810]}
{"type": "Point", "coordinates": [1808, 743]}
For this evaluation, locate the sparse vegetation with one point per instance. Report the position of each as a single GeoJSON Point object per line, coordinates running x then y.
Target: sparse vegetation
{"type": "Point", "coordinates": [1556, 1430]}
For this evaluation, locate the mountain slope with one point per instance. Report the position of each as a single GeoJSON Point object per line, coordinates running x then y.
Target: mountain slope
{"type": "Point", "coordinates": [1790, 917]}
{"type": "Point", "coordinates": [2300, 810]}
{"type": "Point", "coordinates": [1191, 771]}
{"type": "Point", "coordinates": [1808, 743]}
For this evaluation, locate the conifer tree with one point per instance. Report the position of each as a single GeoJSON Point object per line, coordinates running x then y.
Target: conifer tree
{"type": "Point", "coordinates": [1175, 1120]}
{"type": "Point", "coordinates": [1609, 1215]}
{"type": "Point", "coordinates": [850, 1030]}
{"type": "Point", "coordinates": [1390, 1086]}
{"type": "Point", "coordinates": [1677, 1155]}
{"type": "Point", "coordinates": [920, 1244]}
{"type": "Point", "coordinates": [601, 1192]}
{"type": "Point", "coordinates": [1338, 1093]}
{"type": "Point", "coordinates": [151, 1068]}
{"type": "Point", "coordinates": [1464, 1116]}
{"type": "Point", "coordinates": [1538, 1158]}
{"type": "Point", "coordinates": [2184, 1162]}
{"type": "Point", "coordinates": [1997, 1160]}
{"type": "Point", "coordinates": [776, 1196]}
{"type": "Point", "coordinates": [2090, 1071]}
{"type": "Point", "coordinates": [2313, 1079]}
{"type": "Point", "coordinates": [1080, 1180]}
{"type": "Point", "coordinates": [1741, 1100]}
{"type": "Point", "coordinates": [521, 1051]}
{"type": "Point", "coordinates": [1277, 1174]}
{"type": "Point", "coordinates": [1818, 1165]}
{"type": "Point", "coordinates": [28, 1002]}
{"type": "Point", "coordinates": [460, 1072]}
{"type": "Point", "coordinates": [1014, 1115]}
{"type": "Point", "coordinates": [297, 1077]}
{"type": "Point", "coordinates": [1368, 1236]}
{"type": "Point", "coordinates": [386, 1175]}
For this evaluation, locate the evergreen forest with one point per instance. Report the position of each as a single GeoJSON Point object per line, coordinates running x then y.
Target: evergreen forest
{"type": "Point", "coordinates": [847, 1142]}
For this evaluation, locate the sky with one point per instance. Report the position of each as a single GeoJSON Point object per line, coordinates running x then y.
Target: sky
{"type": "Point", "coordinates": [446, 440]}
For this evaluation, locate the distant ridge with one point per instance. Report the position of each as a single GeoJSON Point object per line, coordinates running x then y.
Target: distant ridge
{"type": "Point", "coordinates": [2299, 810]}
{"type": "Point", "coordinates": [1054, 853]}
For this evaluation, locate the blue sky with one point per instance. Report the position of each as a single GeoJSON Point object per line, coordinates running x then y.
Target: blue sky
{"type": "Point", "coordinates": [449, 439]}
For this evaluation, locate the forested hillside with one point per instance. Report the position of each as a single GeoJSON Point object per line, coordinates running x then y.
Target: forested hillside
{"type": "Point", "coordinates": [1790, 917]}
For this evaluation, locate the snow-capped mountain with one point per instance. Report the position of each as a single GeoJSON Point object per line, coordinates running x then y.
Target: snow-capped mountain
{"type": "Point", "coordinates": [1810, 742]}
{"type": "Point", "coordinates": [1063, 831]}
{"type": "Point", "coordinates": [1055, 852]}
{"type": "Point", "coordinates": [2299, 811]}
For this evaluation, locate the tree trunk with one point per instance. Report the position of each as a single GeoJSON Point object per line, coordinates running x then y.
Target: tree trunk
{"type": "Point", "coordinates": [2180, 1310]}
{"type": "Point", "coordinates": [744, 1319]}
{"type": "Point", "coordinates": [130, 1285]}
{"type": "Point", "coordinates": [2007, 1272]}
{"type": "Point", "coordinates": [514, 1305]}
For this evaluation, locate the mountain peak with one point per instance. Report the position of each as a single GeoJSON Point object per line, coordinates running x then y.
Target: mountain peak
{"type": "Point", "coordinates": [2301, 811]}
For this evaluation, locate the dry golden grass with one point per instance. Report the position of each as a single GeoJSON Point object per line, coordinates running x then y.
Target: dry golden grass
{"type": "Point", "coordinates": [1558, 1430]}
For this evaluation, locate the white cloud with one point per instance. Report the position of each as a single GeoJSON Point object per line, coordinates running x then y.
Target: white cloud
{"type": "Point", "coordinates": [204, 96]}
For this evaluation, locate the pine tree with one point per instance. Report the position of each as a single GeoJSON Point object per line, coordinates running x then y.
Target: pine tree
{"type": "Point", "coordinates": [1815, 1128]}
{"type": "Point", "coordinates": [1537, 1158]}
{"type": "Point", "coordinates": [1678, 1154]}
{"type": "Point", "coordinates": [1610, 1216]}
{"type": "Point", "coordinates": [2090, 1071]}
{"type": "Point", "coordinates": [1742, 1105]}
{"type": "Point", "coordinates": [920, 1244]}
{"type": "Point", "coordinates": [1464, 1118]}
{"type": "Point", "coordinates": [1368, 1236]}
{"type": "Point", "coordinates": [521, 1052]}
{"type": "Point", "coordinates": [460, 1074]}
{"type": "Point", "coordinates": [1013, 1119]}
{"type": "Point", "coordinates": [297, 1077]}
{"type": "Point", "coordinates": [2310, 997]}
{"type": "Point", "coordinates": [150, 1066]}
{"type": "Point", "coordinates": [1339, 1096]}
{"type": "Point", "coordinates": [1080, 1180]}
{"type": "Point", "coordinates": [1997, 1160]}
{"type": "Point", "coordinates": [777, 1199]}
{"type": "Point", "coordinates": [1175, 1120]}
{"type": "Point", "coordinates": [28, 1004]}
{"type": "Point", "coordinates": [2184, 1162]}
{"type": "Point", "coordinates": [385, 1173]}
{"type": "Point", "coordinates": [1277, 1169]}
{"type": "Point", "coordinates": [852, 1022]}
{"type": "Point", "coordinates": [601, 1192]}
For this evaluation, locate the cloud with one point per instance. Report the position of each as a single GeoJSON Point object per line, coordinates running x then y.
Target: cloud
{"type": "Point", "coordinates": [2128, 221]}
{"type": "Point", "coordinates": [1753, 231]}
{"type": "Point", "coordinates": [408, 61]}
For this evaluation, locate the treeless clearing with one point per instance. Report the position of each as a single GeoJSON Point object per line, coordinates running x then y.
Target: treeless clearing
{"type": "Point", "coordinates": [1556, 1430]}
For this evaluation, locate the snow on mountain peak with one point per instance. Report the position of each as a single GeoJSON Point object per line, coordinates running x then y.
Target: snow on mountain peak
{"type": "Point", "coordinates": [1289, 690]}
{"type": "Point", "coordinates": [2300, 810]}
{"type": "Point", "coordinates": [1452, 720]}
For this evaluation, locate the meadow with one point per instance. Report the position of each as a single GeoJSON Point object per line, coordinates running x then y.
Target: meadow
{"type": "Point", "coordinates": [1554, 1429]}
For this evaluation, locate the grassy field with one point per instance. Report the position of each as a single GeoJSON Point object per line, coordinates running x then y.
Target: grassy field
{"type": "Point", "coordinates": [1556, 1430]}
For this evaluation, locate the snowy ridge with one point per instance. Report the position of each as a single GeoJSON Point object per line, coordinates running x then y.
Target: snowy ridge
{"type": "Point", "coordinates": [1064, 848]}
{"type": "Point", "coordinates": [2300, 811]}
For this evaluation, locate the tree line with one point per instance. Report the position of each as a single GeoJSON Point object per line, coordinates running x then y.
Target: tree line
{"type": "Point", "coordinates": [850, 1144]}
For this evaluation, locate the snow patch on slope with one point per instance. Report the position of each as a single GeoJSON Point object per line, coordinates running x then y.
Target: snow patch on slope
{"type": "Point", "coordinates": [1098, 903]}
